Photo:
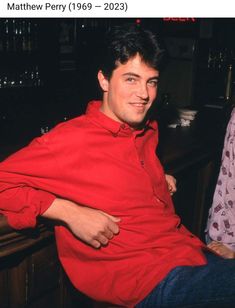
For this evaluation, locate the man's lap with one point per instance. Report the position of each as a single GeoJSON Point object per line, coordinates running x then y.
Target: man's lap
{"type": "Point", "coordinates": [211, 285]}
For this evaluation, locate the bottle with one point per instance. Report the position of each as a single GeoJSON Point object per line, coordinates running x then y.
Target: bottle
{"type": "Point", "coordinates": [24, 38]}
{"type": "Point", "coordinates": [6, 36]}
{"type": "Point", "coordinates": [1, 35]}
{"type": "Point", "coordinates": [228, 83]}
{"type": "Point", "coordinates": [29, 36]}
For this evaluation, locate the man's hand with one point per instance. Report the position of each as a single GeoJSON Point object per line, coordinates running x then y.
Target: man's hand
{"type": "Point", "coordinates": [171, 182]}
{"type": "Point", "coordinates": [92, 226]}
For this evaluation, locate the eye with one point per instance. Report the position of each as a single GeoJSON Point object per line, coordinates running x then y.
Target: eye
{"type": "Point", "coordinates": [153, 83]}
{"type": "Point", "coordinates": [131, 79]}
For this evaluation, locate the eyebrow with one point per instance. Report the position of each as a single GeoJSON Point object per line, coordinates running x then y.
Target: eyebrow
{"type": "Point", "coordinates": [138, 76]}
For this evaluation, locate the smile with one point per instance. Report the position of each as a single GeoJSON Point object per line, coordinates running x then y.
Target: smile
{"type": "Point", "coordinates": [138, 104]}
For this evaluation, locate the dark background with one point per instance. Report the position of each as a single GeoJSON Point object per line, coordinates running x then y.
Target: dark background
{"type": "Point", "coordinates": [48, 68]}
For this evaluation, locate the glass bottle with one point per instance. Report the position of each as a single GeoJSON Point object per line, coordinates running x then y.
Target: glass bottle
{"type": "Point", "coordinates": [228, 86]}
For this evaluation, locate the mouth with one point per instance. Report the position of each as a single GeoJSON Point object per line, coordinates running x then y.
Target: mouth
{"type": "Point", "coordinates": [139, 106]}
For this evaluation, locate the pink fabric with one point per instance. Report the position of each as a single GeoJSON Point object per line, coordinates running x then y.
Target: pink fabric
{"type": "Point", "coordinates": [221, 220]}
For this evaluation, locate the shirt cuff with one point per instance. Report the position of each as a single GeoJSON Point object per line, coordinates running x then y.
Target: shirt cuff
{"type": "Point", "coordinates": [27, 217]}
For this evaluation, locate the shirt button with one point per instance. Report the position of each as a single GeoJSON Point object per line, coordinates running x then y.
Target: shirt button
{"type": "Point", "coordinates": [142, 163]}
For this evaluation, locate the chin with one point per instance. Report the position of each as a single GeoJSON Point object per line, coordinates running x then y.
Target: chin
{"type": "Point", "coordinates": [134, 121]}
{"type": "Point", "coordinates": [135, 124]}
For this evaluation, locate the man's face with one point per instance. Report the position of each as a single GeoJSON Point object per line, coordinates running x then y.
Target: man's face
{"type": "Point", "coordinates": [130, 92]}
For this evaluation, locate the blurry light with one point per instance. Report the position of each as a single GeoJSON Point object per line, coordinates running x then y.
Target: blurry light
{"type": "Point", "coordinates": [179, 19]}
{"type": "Point", "coordinates": [138, 21]}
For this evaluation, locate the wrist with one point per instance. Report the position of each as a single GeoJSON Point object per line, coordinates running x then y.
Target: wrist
{"type": "Point", "coordinates": [59, 210]}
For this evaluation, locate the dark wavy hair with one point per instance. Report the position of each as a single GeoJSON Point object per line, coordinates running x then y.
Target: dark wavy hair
{"type": "Point", "coordinates": [124, 42]}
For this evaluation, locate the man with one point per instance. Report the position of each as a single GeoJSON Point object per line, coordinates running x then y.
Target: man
{"type": "Point", "coordinates": [119, 239]}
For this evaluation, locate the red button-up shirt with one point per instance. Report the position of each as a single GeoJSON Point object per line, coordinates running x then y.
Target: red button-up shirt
{"type": "Point", "coordinates": [97, 162]}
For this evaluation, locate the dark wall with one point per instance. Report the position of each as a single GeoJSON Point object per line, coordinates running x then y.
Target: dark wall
{"type": "Point", "coordinates": [49, 66]}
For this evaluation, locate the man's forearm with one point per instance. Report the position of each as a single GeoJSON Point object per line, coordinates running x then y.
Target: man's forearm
{"type": "Point", "coordinates": [60, 210]}
{"type": "Point", "coordinates": [92, 226]}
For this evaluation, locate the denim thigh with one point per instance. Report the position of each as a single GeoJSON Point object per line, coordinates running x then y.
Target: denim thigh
{"type": "Point", "coordinates": [210, 285]}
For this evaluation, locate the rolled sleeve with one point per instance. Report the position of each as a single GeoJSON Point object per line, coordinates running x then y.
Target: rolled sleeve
{"type": "Point", "coordinates": [26, 215]}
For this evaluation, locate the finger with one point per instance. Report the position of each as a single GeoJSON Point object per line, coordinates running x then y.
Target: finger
{"type": "Point", "coordinates": [214, 246]}
{"type": "Point", "coordinates": [113, 227]}
{"type": "Point", "coordinates": [113, 218]}
{"type": "Point", "coordinates": [211, 245]}
{"type": "Point", "coordinates": [103, 240]}
{"type": "Point", "coordinates": [109, 234]}
{"type": "Point", "coordinates": [95, 244]}
{"type": "Point", "coordinates": [172, 190]}
{"type": "Point", "coordinates": [214, 243]}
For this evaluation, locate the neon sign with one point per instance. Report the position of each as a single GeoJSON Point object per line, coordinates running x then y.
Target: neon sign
{"type": "Point", "coordinates": [179, 19]}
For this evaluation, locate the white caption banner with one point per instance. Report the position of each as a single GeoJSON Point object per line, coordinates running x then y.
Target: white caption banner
{"type": "Point", "coordinates": [117, 8]}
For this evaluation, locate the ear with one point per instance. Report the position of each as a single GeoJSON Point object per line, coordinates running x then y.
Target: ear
{"type": "Point", "coordinates": [103, 81]}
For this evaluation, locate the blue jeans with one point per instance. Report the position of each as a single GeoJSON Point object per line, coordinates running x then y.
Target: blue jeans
{"type": "Point", "coordinates": [211, 285]}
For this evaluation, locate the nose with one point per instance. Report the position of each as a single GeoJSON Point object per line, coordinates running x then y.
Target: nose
{"type": "Point", "coordinates": [142, 92]}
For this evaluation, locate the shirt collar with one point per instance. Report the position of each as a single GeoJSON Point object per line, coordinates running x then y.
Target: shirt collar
{"type": "Point", "coordinates": [93, 112]}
